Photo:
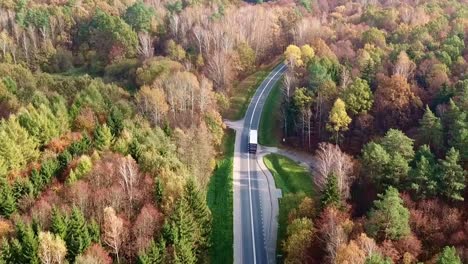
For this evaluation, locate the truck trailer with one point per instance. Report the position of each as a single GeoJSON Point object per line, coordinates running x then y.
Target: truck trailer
{"type": "Point", "coordinates": [252, 147]}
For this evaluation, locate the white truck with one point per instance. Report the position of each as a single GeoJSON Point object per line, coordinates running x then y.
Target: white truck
{"type": "Point", "coordinates": [252, 147]}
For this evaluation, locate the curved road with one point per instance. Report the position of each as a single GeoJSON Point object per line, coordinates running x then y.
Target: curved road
{"type": "Point", "coordinates": [254, 202]}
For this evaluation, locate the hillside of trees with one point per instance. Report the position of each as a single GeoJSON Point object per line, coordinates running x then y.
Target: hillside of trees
{"type": "Point", "coordinates": [378, 91]}
{"type": "Point", "coordinates": [111, 123]}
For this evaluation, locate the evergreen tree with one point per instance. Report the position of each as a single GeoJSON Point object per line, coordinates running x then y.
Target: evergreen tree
{"type": "Point", "coordinates": [183, 252]}
{"type": "Point", "coordinates": [7, 199]}
{"type": "Point", "coordinates": [77, 237]}
{"type": "Point", "coordinates": [389, 217]}
{"type": "Point", "coordinates": [422, 176]}
{"type": "Point", "coordinates": [331, 193]}
{"type": "Point", "coordinates": [94, 231]}
{"type": "Point", "coordinates": [48, 169]}
{"type": "Point", "coordinates": [58, 223]}
{"type": "Point", "coordinates": [431, 131]}
{"type": "Point", "coordinates": [196, 201]}
{"type": "Point", "coordinates": [449, 256]}
{"type": "Point", "coordinates": [158, 191]}
{"type": "Point", "coordinates": [115, 121]}
{"type": "Point", "coordinates": [396, 141]}
{"type": "Point", "coordinates": [155, 254]}
{"type": "Point", "coordinates": [102, 137]}
{"type": "Point", "coordinates": [452, 176]}
{"type": "Point", "coordinates": [5, 252]}
{"type": "Point", "coordinates": [28, 241]}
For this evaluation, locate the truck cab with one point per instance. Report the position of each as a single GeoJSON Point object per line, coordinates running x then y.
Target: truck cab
{"type": "Point", "coordinates": [252, 145]}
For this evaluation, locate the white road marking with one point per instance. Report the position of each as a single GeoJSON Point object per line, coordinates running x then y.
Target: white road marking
{"type": "Point", "coordinates": [248, 165]}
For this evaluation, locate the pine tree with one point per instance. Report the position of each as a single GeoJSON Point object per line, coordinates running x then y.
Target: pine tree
{"type": "Point", "coordinates": [77, 237]}
{"type": "Point", "coordinates": [102, 137]}
{"type": "Point", "coordinates": [94, 231]}
{"type": "Point", "coordinates": [183, 252]}
{"type": "Point", "coordinates": [7, 199]}
{"type": "Point", "coordinates": [431, 129]}
{"type": "Point", "coordinates": [58, 223]}
{"type": "Point", "coordinates": [115, 121]}
{"type": "Point", "coordinates": [180, 231]}
{"type": "Point", "coordinates": [28, 244]}
{"type": "Point", "coordinates": [331, 193]}
{"type": "Point", "coordinates": [155, 254]}
{"type": "Point", "coordinates": [196, 201]}
{"type": "Point", "coordinates": [158, 191]}
{"type": "Point", "coordinates": [449, 256]}
{"type": "Point", "coordinates": [5, 252]}
{"type": "Point", "coordinates": [423, 176]}
{"type": "Point", "coordinates": [452, 176]}
{"type": "Point", "coordinates": [389, 217]}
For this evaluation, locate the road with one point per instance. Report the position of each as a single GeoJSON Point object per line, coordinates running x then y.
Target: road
{"type": "Point", "coordinates": [254, 200]}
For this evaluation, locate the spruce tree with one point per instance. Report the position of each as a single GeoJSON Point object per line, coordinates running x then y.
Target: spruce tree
{"type": "Point", "coordinates": [182, 229]}
{"type": "Point", "coordinates": [7, 199]}
{"type": "Point", "coordinates": [115, 121]}
{"type": "Point", "coordinates": [431, 131]}
{"type": "Point", "coordinates": [331, 193]}
{"type": "Point", "coordinates": [452, 176]}
{"type": "Point", "coordinates": [155, 254]}
{"type": "Point", "coordinates": [422, 178]}
{"type": "Point", "coordinates": [196, 201]}
{"type": "Point", "coordinates": [28, 242]}
{"type": "Point", "coordinates": [77, 237]}
{"type": "Point", "coordinates": [389, 218]}
{"type": "Point", "coordinates": [58, 223]}
{"type": "Point", "coordinates": [449, 256]}
{"type": "Point", "coordinates": [94, 231]}
{"type": "Point", "coordinates": [102, 137]}
{"type": "Point", "coordinates": [183, 252]}
{"type": "Point", "coordinates": [158, 191]}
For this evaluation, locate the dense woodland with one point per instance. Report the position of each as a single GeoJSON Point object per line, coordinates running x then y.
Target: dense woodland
{"type": "Point", "coordinates": [379, 92]}
{"type": "Point", "coordinates": [111, 121]}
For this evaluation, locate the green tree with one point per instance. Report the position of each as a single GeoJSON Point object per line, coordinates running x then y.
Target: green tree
{"type": "Point", "coordinates": [389, 218]}
{"type": "Point", "coordinates": [422, 176]}
{"type": "Point", "coordinates": [331, 193]}
{"type": "Point", "coordinates": [431, 129]}
{"type": "Point", "coordinates": [452, 176]}
{"type": "Point", "coordinates": [115, 121]}
{"type": "Point", "coordinates": [27, 252]}
{"type": "Point", "coordinates": [58, 223]}
{"type": "Point", "coordinates": [449, 256]}
{"type": "Point", "coordinates": [139, 16]}
{"type": "Point", "coordinates": [17, 147]}
{"type": "Point", "coordinates": [158, 191]}
{"type": "Point", "coordinates": [376, 258]}
{"type": "Point", "coordinates": [358, 97]}
{"type": "Point", "coordinates": [7, 199]}
{"type": "Point", "coordinates": [102, 137]}
{"type": "Point", "coordinates": [180, 232]}
{"type": "Point", "coordinates": [396, 142]}
{"type": "Point", "coordinates": [108, 33]}
{"type": "Point", "coordinates": [338, 119]}
{"type": "Point", "coordinates": [77, 237]}
{"type": "Point", "coordinates": [156, 253]}
{"type": "Point", "coordinates": [196, 201]}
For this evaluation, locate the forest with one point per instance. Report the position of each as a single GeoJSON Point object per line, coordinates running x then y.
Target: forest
{"type": "Point", "coordinates": [112, 120]}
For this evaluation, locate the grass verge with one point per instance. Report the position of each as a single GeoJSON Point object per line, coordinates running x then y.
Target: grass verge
{"type": "Point", "coordinates": [220, 202]}
{"type": "Point", "coordinates": [295, 184]}
{"type": "Point", "coordinates": [270, 131]}
{"type": "Point", "coordinates": [242, 92]}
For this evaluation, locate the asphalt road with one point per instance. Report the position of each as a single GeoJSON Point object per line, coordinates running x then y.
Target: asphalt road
{"type": "Point", "coordinates": [252, 197]}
